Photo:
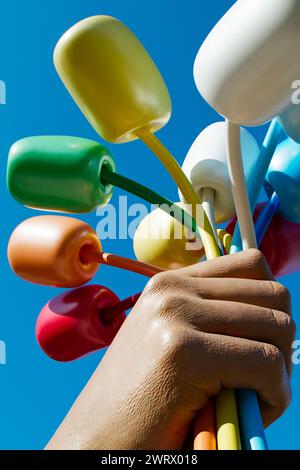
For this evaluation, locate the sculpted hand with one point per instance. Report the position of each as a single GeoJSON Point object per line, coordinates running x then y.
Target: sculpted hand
{"type": "Point", "coordinates": [223, 323]}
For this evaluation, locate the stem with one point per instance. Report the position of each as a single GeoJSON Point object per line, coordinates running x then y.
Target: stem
{"type": "Point", "coordinates": [186, 188]}
{"type": "Point", "coordinates": [110, 177]}
{"type": "Point", "coordinates": [87, 256]}
{"type": "Point", "coordinates": [239, 189]}
{"type": "Point", "coordinates": [227, 421]}
{"type": "Point", "coordinates": [256, 180]}
{"type": "Point", "coordinates": [226, 240]}
{"type": "Point", "coordinates": [265, 217]}
{"type": "Point", "coordinates": [109, 314]}
{"type": "Point", "coordinates": [208, 199]}
{"type": "Point", "coordinates": [226, 401]}
{"type": "Point", "coordinates": [205, 428]}
{"type": "Point", "coordinates": [252, 429]}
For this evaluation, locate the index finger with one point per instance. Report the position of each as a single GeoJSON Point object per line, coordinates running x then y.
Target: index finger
{"type": "Point", "coordinates": [249, 264]}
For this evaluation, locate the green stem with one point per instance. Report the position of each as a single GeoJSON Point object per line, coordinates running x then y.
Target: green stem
{"type": "Point", "coordinates": [110, 177]}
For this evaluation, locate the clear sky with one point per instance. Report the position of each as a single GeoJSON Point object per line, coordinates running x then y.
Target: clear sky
{"type": "Point", "coordinates": [36, 392]}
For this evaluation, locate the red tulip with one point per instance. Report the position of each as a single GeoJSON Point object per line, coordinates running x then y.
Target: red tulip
{"type": "Point", "coordinates": [281, 244]}
{"type": "Point", "coordinates": [77, 322]}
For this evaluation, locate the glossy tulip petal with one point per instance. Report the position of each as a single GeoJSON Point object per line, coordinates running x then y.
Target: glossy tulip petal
{"type": "Point", "coordinates": [290, 121]}
{"type": "Point", "coordinates": [59, 173]}
{"type": "Point", "coordinates": [280, 245]}
{"type": "Point", "coordinates": [283, 178]}
{"type": "Point", "coordinates": [112, 78]}
{"type": "Point", "coordinates": [206, 166]}
{"type": "Point", "coordinates": [74, 323]}
{"type": "Point", "coordinates": [246, 66]}
{"type": "Point", "coordinates": [162, 241]}
{"type": "Point", "coordinates": [47, 250]}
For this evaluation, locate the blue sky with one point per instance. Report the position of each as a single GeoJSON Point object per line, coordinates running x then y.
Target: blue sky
{"type": "Point", "coordinates": [35, 392]}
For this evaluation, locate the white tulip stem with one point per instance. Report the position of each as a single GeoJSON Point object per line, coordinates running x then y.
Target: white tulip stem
{"type": "Point", "coordinates": [239, 188]}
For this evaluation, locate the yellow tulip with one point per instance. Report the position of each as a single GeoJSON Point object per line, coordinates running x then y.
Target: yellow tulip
{"type": "Point", "coordinates": [112, 78]}
{"type": "Point", "coordinates": [162, 241]}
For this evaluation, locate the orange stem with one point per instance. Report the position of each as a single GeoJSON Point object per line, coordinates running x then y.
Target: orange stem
{"type": "Point", "coordinates": [205, 428]}
{"type": "Point", "coordinates": [87, 255]}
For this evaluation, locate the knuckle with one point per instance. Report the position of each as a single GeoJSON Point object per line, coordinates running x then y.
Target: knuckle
{"type": "Point", "coordinates": [174, 339]}
{"type": "Point", "coordinates": [281, 291]}
{"type": "Point", "coordinates": [157, 283]}
{"type": "Point", "coordinates": [257, 260]}
{"type": "Point", "coordinates": [274, 357]}
{"type": "Point", "coordinates": [255, 255]}
{"type": "Point", "coordinates": [170, 303]}
{"type": "Point", "coordinates": [291, 328]}
{"type": "Point", "coordinates": [173, 306]}
{"type": "Point", "coordinates": [163, 281]}
{"type": "Point", "coordinates": [286, 325]}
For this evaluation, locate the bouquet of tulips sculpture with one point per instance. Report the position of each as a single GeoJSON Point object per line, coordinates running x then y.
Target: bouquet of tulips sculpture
{"type": "Point", "coordinates": [245, 71]}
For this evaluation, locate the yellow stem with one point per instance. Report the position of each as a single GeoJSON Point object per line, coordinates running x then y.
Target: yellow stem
{"type": "Point", "coordinates": [186, 188]}
{"type": "Point", "coordinates": [208, 200]}
{"type": "Point", "coordinates": [226, 240]}
{"type": "Point", "coordinates": [227, 421]}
